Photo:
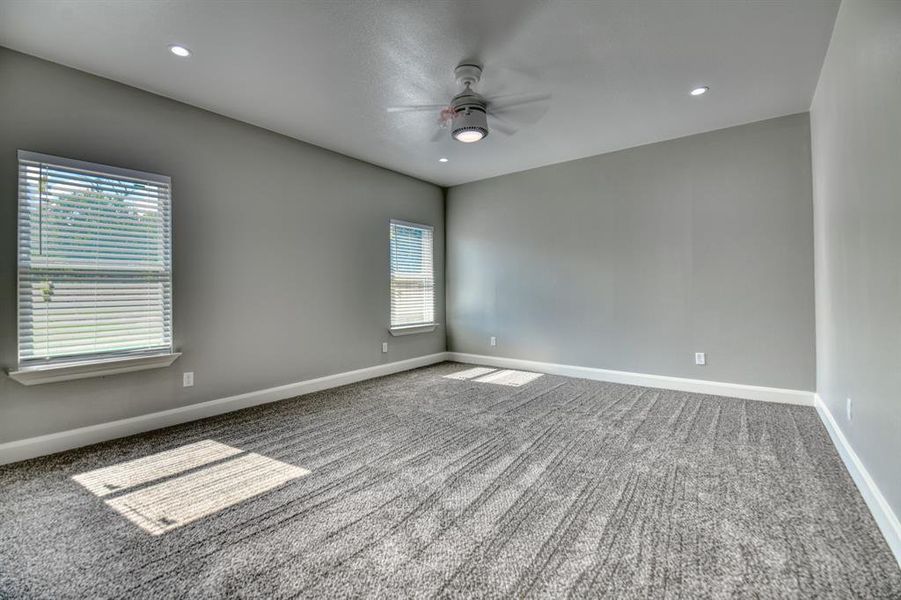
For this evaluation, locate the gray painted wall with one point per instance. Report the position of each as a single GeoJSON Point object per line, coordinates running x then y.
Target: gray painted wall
{"type": "Point", "coordinates": [856, 139]}
{"type": "Point", "coordinates": [280, 248]}
{"type": "Point", "coordinates": [637, 259]}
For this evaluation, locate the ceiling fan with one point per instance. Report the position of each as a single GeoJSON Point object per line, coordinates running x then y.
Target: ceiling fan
{"type": "Point", "coordinates": [469, 114]}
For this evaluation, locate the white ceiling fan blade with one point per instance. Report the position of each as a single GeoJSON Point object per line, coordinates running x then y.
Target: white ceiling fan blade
{"type": "Point", "coordinates": [521, 113]}
{"type": "Point", "coordinates": [499, 103]}
{"type": "Point", "coordinates": [496, 123]}
{"type": "Point", "coordinates": [416, 108]}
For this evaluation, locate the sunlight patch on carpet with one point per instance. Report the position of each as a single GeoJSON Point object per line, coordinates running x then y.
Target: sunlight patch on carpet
{"type": "Point", "coordinates": [123, 476]}
{"type": "Point", "coordinates": [469, 373]}
{"type": "Point", "coordinates": [182, 485]}
{"type": "Point", "coordinates": [509, 377]}
{"type": "Point", "coordinates": [176, 502]}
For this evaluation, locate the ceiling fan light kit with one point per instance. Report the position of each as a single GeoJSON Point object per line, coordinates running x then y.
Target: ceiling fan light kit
{"type": "Point", "coordinates": [470, 125]}
{"type": "Point", "coordinates": [468, 113]}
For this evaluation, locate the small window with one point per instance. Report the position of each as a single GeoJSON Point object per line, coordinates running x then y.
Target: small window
{"type": "Point", "coordinates": [412, 278]}
{"type": "Point", "coordinates": [94, 264]}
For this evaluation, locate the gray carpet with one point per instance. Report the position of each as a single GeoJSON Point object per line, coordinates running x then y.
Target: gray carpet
{"type": "Point", "coordinates": [423, 486]}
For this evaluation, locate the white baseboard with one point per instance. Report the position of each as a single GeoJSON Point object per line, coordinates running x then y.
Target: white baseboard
{"type": "Point", "coordinates": [699, 386]}
{"type": "Point", "coordinates": [84, 436]}
{"type": "Point", "coordinates": [885, 517]}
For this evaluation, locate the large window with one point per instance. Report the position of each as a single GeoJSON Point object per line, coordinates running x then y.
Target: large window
{"type": "Point", "coordinates": [412, 277]}
{"type": "Point", "coordinates": [94, 263]}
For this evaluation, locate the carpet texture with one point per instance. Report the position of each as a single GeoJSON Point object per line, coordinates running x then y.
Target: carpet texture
{"type": "Point", "coordinates": [422, 485]}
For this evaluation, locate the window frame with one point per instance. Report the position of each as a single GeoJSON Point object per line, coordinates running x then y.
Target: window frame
{"type": "Point", "coordinates": [399, 330]}
{"type": "Point", "coordinates": [100, 363]}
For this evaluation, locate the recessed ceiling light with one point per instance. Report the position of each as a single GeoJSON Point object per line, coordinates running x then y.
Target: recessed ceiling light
{"type": "Point", "coordinates": [442, 159]}
{"type": "Point", "coordinates": [699, 90]}
{"type": "Point", "coordinates": [179, 51]}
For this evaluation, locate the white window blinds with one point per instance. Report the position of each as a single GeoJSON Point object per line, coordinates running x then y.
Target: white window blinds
{"type": "Point", "coordinates": [412, 275]}
{"type": "Point", "coordinates": [94, 263]}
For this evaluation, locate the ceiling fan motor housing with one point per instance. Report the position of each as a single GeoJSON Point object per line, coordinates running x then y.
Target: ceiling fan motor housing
{"type": "Point", "coordinates": [468, 74]}
{"type": "Point", "coordinates": [470, 115]}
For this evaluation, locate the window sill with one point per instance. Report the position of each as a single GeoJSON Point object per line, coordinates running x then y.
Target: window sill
{"type": "Point", "coordinates": [411, 329]}
{"type": "Point", "coordinates": [38, 374]}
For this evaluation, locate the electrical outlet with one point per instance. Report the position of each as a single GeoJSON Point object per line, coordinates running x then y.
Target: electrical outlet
{"type": "Point", "coordinates": [187, 379]}
{"type": "Point", "coordinates": [384, 347]}
{"type": "Point", "coordinates": [493, 341]}
{"type": "Point", "coordinates": [848, 408]}
{"type": "Point", "coordinates": [700, 358]}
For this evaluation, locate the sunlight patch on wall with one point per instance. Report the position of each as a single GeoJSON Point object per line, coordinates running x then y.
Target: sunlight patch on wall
{"type": "Point", "coordinates": [509, 377]}
{"type": "Point", "coordinates": [123, 476]}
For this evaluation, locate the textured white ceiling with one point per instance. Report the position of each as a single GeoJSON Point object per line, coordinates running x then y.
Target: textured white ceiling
{"type": "Point", "coordinates": [324, 71]}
